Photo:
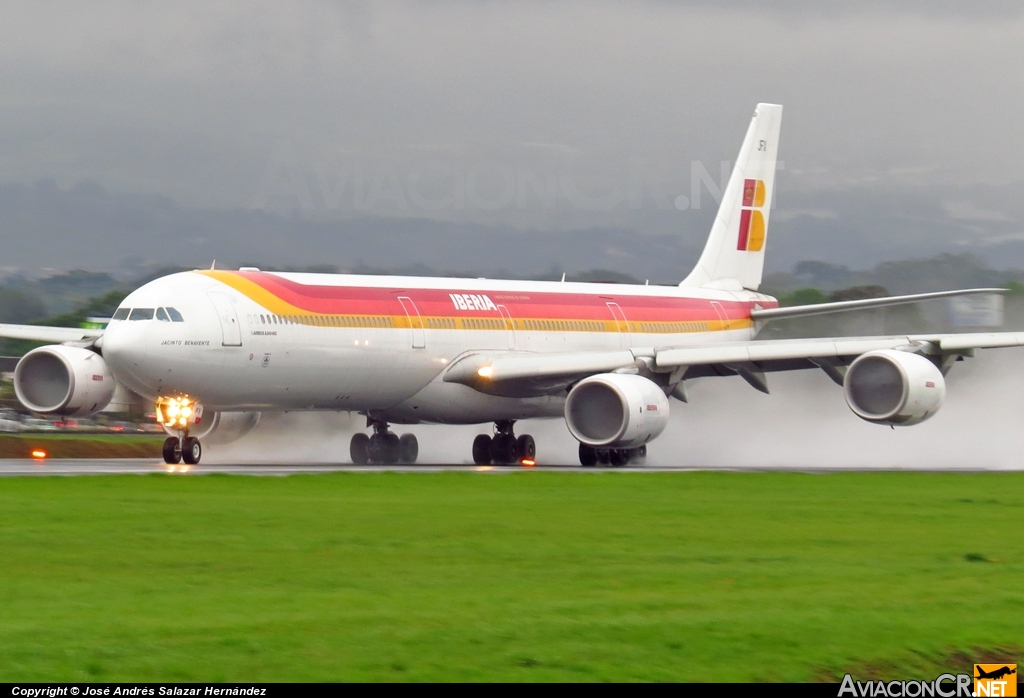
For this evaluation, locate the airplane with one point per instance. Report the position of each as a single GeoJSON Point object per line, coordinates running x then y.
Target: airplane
{"type": "Point", "coordinates": [213, 349]}
{"type": "Point", "coordinates": [995, 673]}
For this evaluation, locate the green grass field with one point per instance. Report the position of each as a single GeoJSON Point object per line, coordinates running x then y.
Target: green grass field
{"type": "Point", "coordinates": [519, 576]}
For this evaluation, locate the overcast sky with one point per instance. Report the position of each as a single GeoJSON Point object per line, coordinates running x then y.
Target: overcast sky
{"type": "Point", "coordinates": [557, 116]}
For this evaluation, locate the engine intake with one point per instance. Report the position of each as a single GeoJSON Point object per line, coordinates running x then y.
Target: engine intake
{"type": "Point", "coordinates": [894, 387]}
{"type": "Point", "coordinates": [616, 410]}
{"type": "Point", "coordinates": [69, 381]}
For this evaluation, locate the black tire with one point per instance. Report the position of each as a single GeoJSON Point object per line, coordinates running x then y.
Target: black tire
{"type": "Point", "coordinates": [504, 449]}
{"type": "Point", "coordinates": [359, 449]}
{"type": "Point", "coordinates": [498, 449]}
{"type": "Point", "coordinates": [191, 450]}
{"type": "Point", "coordinates": [603, 456]}
{"type": "Point", "coordinates": [619, 457]}
{"type": "Point", "coordinates": [408, 448]}
{"type": "Point", "coordinates": [527, 448]}
{"type": "Point", "coordinates": [392, 448]}
{"type": "Point", "coordinates": [375, 451]}
{"type": "Point", "coordinates": [172, 450]}
{"type": "Point", "coordinates": [482, 450]}
{"type": "Point", "coordinates": [588, 456]}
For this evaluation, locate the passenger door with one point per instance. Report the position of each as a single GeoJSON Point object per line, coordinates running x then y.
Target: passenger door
{"type": "Point", "coordinates": [621, 323]}
{"type": "Point", "coordinates": [230, 329]}
{"type": "Point", "coordinates": [510, 326]}
{"type": "Point", "coordinates": [419, 340]}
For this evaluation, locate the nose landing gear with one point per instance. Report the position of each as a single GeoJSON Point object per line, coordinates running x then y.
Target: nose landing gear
{"type": "Point", "coordinates": [187, 449]}
{"type": "Point", "coordinates": [504, 448]}
{"type": "Point", "coordinates": [176, 414]}
{"type": "Point", "coordinates": [383, 446]}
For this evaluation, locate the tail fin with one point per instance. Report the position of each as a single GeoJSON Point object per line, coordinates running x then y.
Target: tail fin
{"type": "Point", "coordinates": [734, 253]}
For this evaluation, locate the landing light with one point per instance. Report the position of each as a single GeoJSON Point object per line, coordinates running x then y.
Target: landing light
{"type": "Point", "coordinates": [529, 462]}
{"type": "Point", "coordinates": [485, 371]}
{"type": "Point", "coordinates": [39, 454]}
{"type": "Point", "coordinates": [174, 412]}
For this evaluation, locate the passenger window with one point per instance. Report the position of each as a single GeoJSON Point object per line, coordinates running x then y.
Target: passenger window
{"type": "Point", "coordinates": [141, 314]}
{"type": "Point", "coordinates": [121, 314]}
{"type": "Point", "coordinates": [161, 315]}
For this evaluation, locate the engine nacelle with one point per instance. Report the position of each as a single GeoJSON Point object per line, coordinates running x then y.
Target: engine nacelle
{"type": "Point", "coordinates": [220, 427]}
{"type": "Point", "coordinates": [616, 410]}
{"type": "Point", "coordinates": [894, 387]}
{"type": "Point", "coordinates": [59, 379]}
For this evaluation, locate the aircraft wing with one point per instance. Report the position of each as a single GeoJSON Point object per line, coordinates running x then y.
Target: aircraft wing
{"type": "Point", "coordinates": [39, 333]}
{"type": "Point", "coordinates": [519, 374]}
{"type": "Point", "coordinates": [766, 314]}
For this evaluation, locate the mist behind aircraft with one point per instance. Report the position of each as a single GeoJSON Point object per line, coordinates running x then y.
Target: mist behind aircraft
{"type": "Point", "coordinates": [804, 423]}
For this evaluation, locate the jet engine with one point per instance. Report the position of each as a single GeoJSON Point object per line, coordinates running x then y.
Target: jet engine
{"type": "Point", "coordinates": [616, 410]}
{"type": "Point", "coordinates": [894, 387]}
{"type": "Point", "coordinates": [220, 427]}
{"type": "Point", "coordinates": [64, 380]}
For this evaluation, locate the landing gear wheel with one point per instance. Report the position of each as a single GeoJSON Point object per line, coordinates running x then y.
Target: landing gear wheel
{"type": "Point", "coordinates": [504, 449]}
{"type": "Point", "coordinates": [482, 449]}
{"type": "Point", "coordinates": [172, 450]}
{"type": "Point", "coordinates": [191, 450]}
{"type": "Point", "coordinates": [603, 457]}
{"type": "Point", "coordinates": [588, 456]}
{"type": "Point", "coordinates": [619, 457]}
{"type": "Point", "coordinates": [408, 448]}
{"type": "Point", "coordinates": [527, 448]}
{"type": "Point", "coordinates": [376, 448]}
{"type": "Point", "coordinates": [392, 448]}
{"type": "Point", "coordinates": [359, 449]}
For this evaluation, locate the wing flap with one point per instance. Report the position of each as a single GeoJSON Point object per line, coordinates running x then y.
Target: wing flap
{"type": "Point", "coordinates": [780, 350]}
{"type": "Point", "coordinates": [981, 340]}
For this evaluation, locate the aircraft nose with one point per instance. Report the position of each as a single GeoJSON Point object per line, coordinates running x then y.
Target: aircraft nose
{"type": "Point", "coordinates": [123, 348]}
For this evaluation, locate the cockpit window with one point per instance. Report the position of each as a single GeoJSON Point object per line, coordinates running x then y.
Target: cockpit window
{"type": "Point", "coordinates": [161, 315]}
{"type": "Point", "coordinates": [121, 314]}
{"type": "Point", "coordinates": [175, 315]}
{"type": "Point", "coordinates": [141, 314]}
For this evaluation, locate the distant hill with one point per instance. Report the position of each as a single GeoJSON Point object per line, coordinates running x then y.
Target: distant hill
{"type": "Point", "coordinates": [941, 273]}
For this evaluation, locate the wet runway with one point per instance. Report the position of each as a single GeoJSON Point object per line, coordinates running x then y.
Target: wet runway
{"type": "Point", "coordinates": [145, 466]}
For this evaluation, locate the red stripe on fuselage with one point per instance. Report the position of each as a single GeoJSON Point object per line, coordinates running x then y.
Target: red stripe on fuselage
{"type": "Point", "coordinates": [369, 300]}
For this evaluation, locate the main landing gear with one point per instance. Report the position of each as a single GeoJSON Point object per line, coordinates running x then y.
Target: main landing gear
{"type": "Point", "coordinates": [384, 447]}
{"type": "Point", "coordinates": [187, 449]}
{"type": "Point", "coordinates": [504, 448]}
{"type": "Point", "coordinates": [616, 457]}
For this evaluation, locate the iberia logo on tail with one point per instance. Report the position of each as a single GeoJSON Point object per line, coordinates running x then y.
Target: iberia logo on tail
{"type": "Point", "coordinates": [752, 227]}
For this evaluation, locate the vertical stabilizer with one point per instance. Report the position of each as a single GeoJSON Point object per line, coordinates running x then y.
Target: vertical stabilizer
{"type": "Point", "coordinates": [734, 253]}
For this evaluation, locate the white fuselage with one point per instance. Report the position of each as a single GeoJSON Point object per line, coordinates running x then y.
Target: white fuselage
{"type": "Point", "coordinates": [252, 340]}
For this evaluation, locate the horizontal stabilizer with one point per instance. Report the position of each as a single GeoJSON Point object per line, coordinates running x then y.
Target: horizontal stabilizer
{"type": "Point", "coordinates": [766, 314]}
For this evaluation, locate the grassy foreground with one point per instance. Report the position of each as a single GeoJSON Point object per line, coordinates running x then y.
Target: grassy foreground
{"type": "Point", "coordinates": [524, 576]}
